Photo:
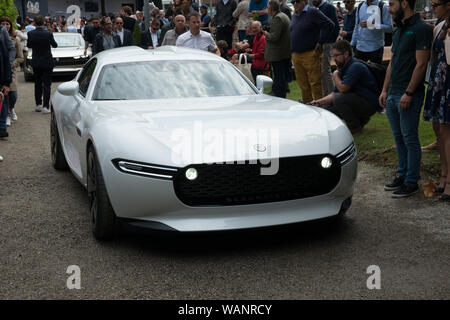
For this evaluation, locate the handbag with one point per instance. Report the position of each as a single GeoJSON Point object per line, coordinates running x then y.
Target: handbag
{"type": "Point", "coordinates": [245, 68]}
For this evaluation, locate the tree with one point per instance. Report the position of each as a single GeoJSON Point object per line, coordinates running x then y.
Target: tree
{"type": "Point", "coordinates": [7, 8]}
{"type": "Point", "coordinates": [136, 34]}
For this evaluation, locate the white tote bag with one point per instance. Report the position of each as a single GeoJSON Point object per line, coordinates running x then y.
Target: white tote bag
{"type": "Point", "coordinates": [245, 68]}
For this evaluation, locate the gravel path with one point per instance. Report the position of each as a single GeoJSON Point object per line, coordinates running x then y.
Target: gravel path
{"type": "Point", "coordinates": [45, 228]}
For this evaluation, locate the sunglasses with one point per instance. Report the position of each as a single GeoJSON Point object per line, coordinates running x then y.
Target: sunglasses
{"type": "Point", "coordinates": [119, 22]}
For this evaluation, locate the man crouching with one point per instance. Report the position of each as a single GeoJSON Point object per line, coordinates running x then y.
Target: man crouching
{"type": "Point", "coordinates": [355, 95]}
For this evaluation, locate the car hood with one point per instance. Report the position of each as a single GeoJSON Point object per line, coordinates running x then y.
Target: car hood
{"type": "Point", "coordinates": [210, 129]}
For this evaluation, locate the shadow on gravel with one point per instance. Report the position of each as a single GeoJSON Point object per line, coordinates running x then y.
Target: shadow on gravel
{"type": "Point", "coordinates": [328, 232]}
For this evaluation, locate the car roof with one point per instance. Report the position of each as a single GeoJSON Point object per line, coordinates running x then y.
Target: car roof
{"type": "Point", "coordinates": [136, 54]}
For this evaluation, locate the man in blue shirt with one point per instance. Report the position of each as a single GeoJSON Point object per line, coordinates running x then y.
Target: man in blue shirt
{"type": "Point", "coordinates": [205, 19]}
{"type": "Point", "coordinates": [355, 96]}
{"type": "Point", "coordinates": [259, 9]}
{"type": "Point", "coordinates": [330, 11]}
{"type": "Point", "coordinates": [310, 29]}
{"type": "Point", "coordinates": [349, 20]}
{"type": "Point", "coordinates": [371, 24]}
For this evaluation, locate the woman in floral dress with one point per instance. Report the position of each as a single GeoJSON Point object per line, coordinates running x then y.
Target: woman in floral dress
{"type": "Point", "coordinates": [437, 103]}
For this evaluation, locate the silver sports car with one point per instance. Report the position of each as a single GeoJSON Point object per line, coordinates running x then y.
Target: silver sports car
{"type": "Point", "coordinates": [179, 139]}
{"type": "Point", "coordinates": [68, 56]}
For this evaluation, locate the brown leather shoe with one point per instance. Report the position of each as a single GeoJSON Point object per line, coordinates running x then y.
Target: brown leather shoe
{"type": "Point", "coordinates": [430, 147]}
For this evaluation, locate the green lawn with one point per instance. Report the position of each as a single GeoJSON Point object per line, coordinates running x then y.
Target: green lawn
{"type": "Point", "coordinates": [376, 144]}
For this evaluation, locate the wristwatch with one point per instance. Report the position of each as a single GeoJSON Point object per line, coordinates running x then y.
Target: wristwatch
{"type": "Point", "coordinates": [409, 93]}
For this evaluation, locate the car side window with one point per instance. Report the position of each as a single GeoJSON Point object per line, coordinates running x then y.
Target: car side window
{"type": "Point", "coordinates": [86, 75]}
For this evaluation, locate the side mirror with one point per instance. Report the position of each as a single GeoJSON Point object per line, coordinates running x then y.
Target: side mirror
{"type": "Point", "coordinates": [263, 82]}
{"type": "Point", "coordinates": [69, 88]}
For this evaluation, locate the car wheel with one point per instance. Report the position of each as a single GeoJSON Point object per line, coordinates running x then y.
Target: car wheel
{"type": "Point", "coordinates": [103, 218]}
{"type": "Point", "coordinates": [58, 159]}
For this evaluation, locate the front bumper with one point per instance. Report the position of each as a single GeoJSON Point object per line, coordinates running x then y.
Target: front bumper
{"type": "Point", "coordinates": [153, 203]}
{"type": "Point", "coordinates": [58, 70]}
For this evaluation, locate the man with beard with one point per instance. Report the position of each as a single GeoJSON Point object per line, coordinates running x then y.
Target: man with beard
{"type": "Point", "coordinates": [403, 92]}
{"type": "Point", "coordinates": [355, 96]}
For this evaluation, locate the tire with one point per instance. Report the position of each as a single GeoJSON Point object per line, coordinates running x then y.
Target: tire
{"type": "Point", "coordinates": [102, 216]}
{"type": "Point", "coordinates": [58, 158]}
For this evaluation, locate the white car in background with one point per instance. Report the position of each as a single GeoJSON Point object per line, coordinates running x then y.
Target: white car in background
{"type": "Point", "coordinates": [68, 56]}
{"type": "Point", "coordinates": [117, 126]}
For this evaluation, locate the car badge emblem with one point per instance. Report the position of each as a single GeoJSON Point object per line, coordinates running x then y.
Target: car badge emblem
{"type": "Point", "coordinates": [260, 147]}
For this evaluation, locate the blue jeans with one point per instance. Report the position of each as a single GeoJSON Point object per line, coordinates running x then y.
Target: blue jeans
{"type": "Point", "coordinates": [4, 114]}
{"type": "Point", "coordinates": [405, 126]}
{"type": "Point", "coordinates": [12, 97]}
{"type": "Point", "coordinates": [241, 35]}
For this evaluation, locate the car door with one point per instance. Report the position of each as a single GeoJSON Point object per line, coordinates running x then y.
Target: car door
{"type": "Point", "coordinates": [76, 117]}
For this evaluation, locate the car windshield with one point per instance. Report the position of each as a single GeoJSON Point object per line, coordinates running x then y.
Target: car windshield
{"type": "Point", "coordinates": [68, 40]}
{"type": "Point", "coordinates": [170, 80]}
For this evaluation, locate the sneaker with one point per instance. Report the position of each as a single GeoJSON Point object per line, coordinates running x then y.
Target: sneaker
{"type": "Point", "coordinates": [394, 185]}
{"type": "Point", "coordinates": [405, 191]}
{"type": "Point", "coordinates": [46, 111]}
{"type": "Point", "coordinates": [8, 121]}
{"type": "Point", "coordinates": [13, 115]}
{"type": "Point", "coordinates": [38, 108]}
{"type": "Point", "coordinates": [1, 158]}
{"type": "Point", "coordinates": [3, 134]}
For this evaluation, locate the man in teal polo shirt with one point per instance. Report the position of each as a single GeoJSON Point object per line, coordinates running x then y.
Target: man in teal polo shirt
{"type": "Point", "coordinates": [403, 92]}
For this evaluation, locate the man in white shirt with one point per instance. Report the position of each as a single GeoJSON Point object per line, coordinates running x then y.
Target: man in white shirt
{"type": "Point", "coordinates": [150, 39]}
{"type": "Point", "coordinates": [196, 38]}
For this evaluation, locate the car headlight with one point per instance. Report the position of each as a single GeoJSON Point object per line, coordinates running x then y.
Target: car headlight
{"type": "Point", "coordinates": [326, 163]}
{"type": "Point", "coordinates": [191, 174]}
{"type": "Point", "coordinates": [145, 169]}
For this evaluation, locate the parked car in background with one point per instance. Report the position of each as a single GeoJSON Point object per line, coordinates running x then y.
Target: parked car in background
{"type": "Point", "coordinates": [69, 56]}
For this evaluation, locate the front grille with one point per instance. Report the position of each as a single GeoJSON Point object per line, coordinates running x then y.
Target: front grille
{"type": "Point", "coordinates": [70, 61]}
{"type": "Point", "coordinates": [239, 184]}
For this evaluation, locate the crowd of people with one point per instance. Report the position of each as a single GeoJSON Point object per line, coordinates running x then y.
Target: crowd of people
{"type": "Point", "coordinates": [304, 44]}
